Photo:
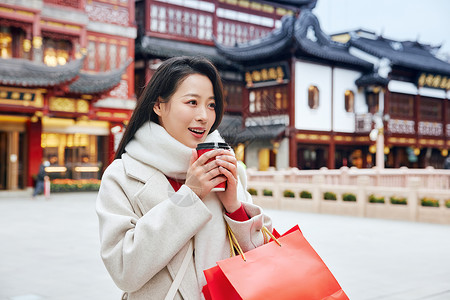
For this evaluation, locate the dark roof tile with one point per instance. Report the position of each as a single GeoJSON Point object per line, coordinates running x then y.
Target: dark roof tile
{"type": "Point", "coordinates": [21, 72]}
{"type": "Point", "coordinates": [407, 54]}
{"type": "Point", "coordinates": [89, 83]}
{"type": "Point", "coordinates": [170, 48]}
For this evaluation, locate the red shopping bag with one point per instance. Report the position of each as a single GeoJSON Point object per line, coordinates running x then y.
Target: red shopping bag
{"type": "Point", "coordinates": [290, 271]}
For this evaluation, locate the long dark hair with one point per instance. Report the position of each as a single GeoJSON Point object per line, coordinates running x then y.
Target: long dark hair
{"type": "Point", "coordinates": [163, 85]}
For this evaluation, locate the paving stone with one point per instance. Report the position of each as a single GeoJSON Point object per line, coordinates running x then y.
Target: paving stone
{"type": "Point", "coordinates": [50, 250]}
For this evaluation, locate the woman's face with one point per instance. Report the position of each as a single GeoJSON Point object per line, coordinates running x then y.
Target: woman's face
{"type": "Point", "coordinates": [189, 114]}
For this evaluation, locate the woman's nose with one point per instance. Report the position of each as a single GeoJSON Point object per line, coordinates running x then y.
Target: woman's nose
{"type": "Point", "coordinates": [201, 114]}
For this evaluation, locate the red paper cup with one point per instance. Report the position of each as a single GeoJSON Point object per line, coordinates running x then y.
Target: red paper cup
{"type": "Point", "coordinates": [205, 147]}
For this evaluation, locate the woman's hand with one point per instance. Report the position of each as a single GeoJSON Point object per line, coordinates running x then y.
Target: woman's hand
{"type": "Point", "coordinates": [202, 175]}
{"type": "Point", "coordinates": [228, 167]}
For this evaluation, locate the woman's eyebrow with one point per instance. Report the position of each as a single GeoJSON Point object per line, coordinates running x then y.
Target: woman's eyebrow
{"type": "Point", "coordinates": [196, 96]}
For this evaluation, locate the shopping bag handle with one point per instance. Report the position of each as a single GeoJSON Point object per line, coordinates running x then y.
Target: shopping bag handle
{"type": "Point", "coordinates": [234, 244]}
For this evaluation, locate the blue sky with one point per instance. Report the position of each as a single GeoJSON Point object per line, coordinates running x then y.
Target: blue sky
{"type": "Point", "coordinates": [425, 21]}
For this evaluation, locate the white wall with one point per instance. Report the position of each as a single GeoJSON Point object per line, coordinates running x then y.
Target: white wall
{"type": "Point", "coordinates": [343, 79]}
{"type": "Point", "coordinates": [307, 74]}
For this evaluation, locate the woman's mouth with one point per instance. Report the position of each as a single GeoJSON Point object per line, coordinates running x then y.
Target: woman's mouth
{"type": "Point", "coordinates": [197, 132]}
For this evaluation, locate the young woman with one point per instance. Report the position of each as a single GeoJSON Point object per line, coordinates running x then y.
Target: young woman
{"type": "Point", "coordinates": [157, 214]}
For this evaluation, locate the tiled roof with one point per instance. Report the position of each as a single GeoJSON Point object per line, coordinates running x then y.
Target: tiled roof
{"type": "Point", "coordinates": [303, 35]}
{"type": "Point", "coordinates": [21, 72]}
{"type": "Point", "coordinates": [275, 42]}
{"type": "Point", "coordinates": [313, 41]}
{"type": "Point", "coordinates": [407, 54]}
{"type": "Point", "coordinates": [371, 79]}
{"type": "Point", "coordinates": [233, 133]}
{"type": "Point", "coordinates": [170, 48]}
{"type": "Point", "coordinates": [89, 83]}
{"type": "Point", "coordinates": [295, 3]}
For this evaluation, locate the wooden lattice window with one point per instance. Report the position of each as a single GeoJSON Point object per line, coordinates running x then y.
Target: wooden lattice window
{"type": "Point", "coordinates": [66, 3]}
{"type": "Point", "coordinates": [401, 106]}
{"type": "Point", "coordinates": [430, 109]}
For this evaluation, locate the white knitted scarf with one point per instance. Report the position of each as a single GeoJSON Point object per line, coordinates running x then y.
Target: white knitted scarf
{"type": "Point", "coordinates": [154, 146]}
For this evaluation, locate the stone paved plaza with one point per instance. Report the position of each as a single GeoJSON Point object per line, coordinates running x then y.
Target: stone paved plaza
{"type": "Point", "coordinates": [50, 250]}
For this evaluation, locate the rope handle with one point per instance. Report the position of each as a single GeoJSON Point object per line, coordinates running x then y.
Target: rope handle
{"type": "Point", "coordinates": [234, 244]}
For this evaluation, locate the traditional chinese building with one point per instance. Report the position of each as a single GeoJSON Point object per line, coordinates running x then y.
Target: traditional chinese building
{"type": "Point", "coordinates": [329, 95]}
{"type": "Point", "coordinates": [66, 86]}
{"type": "Point", "coordinates": [173, 28]}
{"type": "Point", "coordinates": [412, 88]}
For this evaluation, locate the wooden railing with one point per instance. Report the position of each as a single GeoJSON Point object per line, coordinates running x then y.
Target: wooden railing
{"type": "Point", "coordinates": [282, 191]}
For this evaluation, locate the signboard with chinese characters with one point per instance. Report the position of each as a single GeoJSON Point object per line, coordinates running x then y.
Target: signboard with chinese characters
{"type": "Point", "coordinates": [434, 81]}
{"type": "Point", "coordinates": [270, 74]}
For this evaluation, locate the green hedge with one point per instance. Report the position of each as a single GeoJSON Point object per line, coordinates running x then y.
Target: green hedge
{"type": "Point", "coordinates": [426, 201]}
{"type": "Point", "coordinates": [398, 200]}
{"type": "Point", "coordinates": [252, 191]}
{"type": "Point", "coordinates": [329, 196]}
{"type": "Point", "coordinates": [305, 195]}
{"type": "Point", "coordinates": [376, 199]}
{"type": "Point", "coordinates": [71, 185]}
{"type": "Point", "coordinates": [267, 192]}
{"type": "Point", "coordinates": [349, 197]}
{"type": "Point", "coordinates": [288, 194]}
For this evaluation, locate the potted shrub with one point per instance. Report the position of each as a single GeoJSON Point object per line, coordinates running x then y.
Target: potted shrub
{"type": "Point", "coordinates": [376, 199]}
{"type": "Point", "coordinates": [447, 203]}
{"type": "Point", "coordinates": [398, 200]}
{"type": "Point", "coordinates": [252, 191]}
{"type": "Point", "coordinates": [329, 196]}
{"type": "Point", "coordinates": [288, 194]}
{"type": "Point", "coordinates": [267, 192]}
{"type": "Point", "coordinates": [305, 195]}
{"type": "Point", "coordinates": [349, 197]}
{"type": "Point", "coordinates": [428, 201]}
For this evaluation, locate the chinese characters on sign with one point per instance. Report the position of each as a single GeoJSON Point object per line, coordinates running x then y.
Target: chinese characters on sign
{"type": "Point", "coordinates": [277, 73]}
{"type": "Point", "coordinates": [434, 81]}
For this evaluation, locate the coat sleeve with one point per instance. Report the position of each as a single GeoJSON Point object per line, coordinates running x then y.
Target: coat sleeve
{"type": "Point", "coordinates": [134, 248]}
{"type": "Point", "coordinates": [248, 233]}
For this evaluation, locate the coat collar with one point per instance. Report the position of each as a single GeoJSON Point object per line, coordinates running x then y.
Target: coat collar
{"type": "Point", "coordinates": [137, 169]}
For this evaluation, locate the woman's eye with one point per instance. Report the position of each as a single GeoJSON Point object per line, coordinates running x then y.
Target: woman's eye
{"type": "Point", "coordinates": [192, 102]}
{"type": "Point", "coordinates": [212, 105]}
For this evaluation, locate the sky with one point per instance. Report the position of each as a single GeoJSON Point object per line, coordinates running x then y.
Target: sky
{"type": "Point", "coordinates": [425, 21]}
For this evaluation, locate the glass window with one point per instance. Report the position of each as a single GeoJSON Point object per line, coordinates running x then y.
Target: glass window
{"type": "Point", "coordinates": [5, 42]}
{"type": "Point", "coordinates": [349, 101]}
{"type": "Point", "coordinates": [56, 52]}
{"type": "Point", "coordinates": [313, 97]}
{"type": "Point", "coordinates": [73, 156]}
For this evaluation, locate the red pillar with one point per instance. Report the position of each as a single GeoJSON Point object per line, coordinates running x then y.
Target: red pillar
{"type": "Point", "coordinates": [34, 131]}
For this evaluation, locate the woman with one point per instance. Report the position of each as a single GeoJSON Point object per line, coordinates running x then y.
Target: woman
{"type": "Point", "coordinates": [155, 201]}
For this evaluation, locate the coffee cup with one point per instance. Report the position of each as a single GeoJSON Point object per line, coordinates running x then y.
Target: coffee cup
{"type": "Point", "coordinates": [205, 147]}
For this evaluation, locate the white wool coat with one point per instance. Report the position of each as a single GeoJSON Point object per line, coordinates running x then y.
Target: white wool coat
{"type": "Point", "coordinates": [144, 235]}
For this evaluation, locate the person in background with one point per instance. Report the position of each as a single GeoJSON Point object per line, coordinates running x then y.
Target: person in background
{"type": "Point", "coordinates": [40, 178]}
{"type": "Point", "coordinates": [155, 206]}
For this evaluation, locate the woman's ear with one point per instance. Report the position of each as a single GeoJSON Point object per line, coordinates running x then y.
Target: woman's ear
{"type": "Point", "coordinates": [157, 107]}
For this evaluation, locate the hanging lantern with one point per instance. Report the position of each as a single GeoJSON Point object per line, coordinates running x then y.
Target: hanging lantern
{"type": "Point", "coordinates": [386, 150]}
{"type": "Point", "coordinates": [444, 152]}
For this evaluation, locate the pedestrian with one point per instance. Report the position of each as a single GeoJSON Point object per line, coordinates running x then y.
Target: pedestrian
{"type": "Point", "coordinates": [40, 178]}
{"type": "Point", "coordinates": [155, 199]}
